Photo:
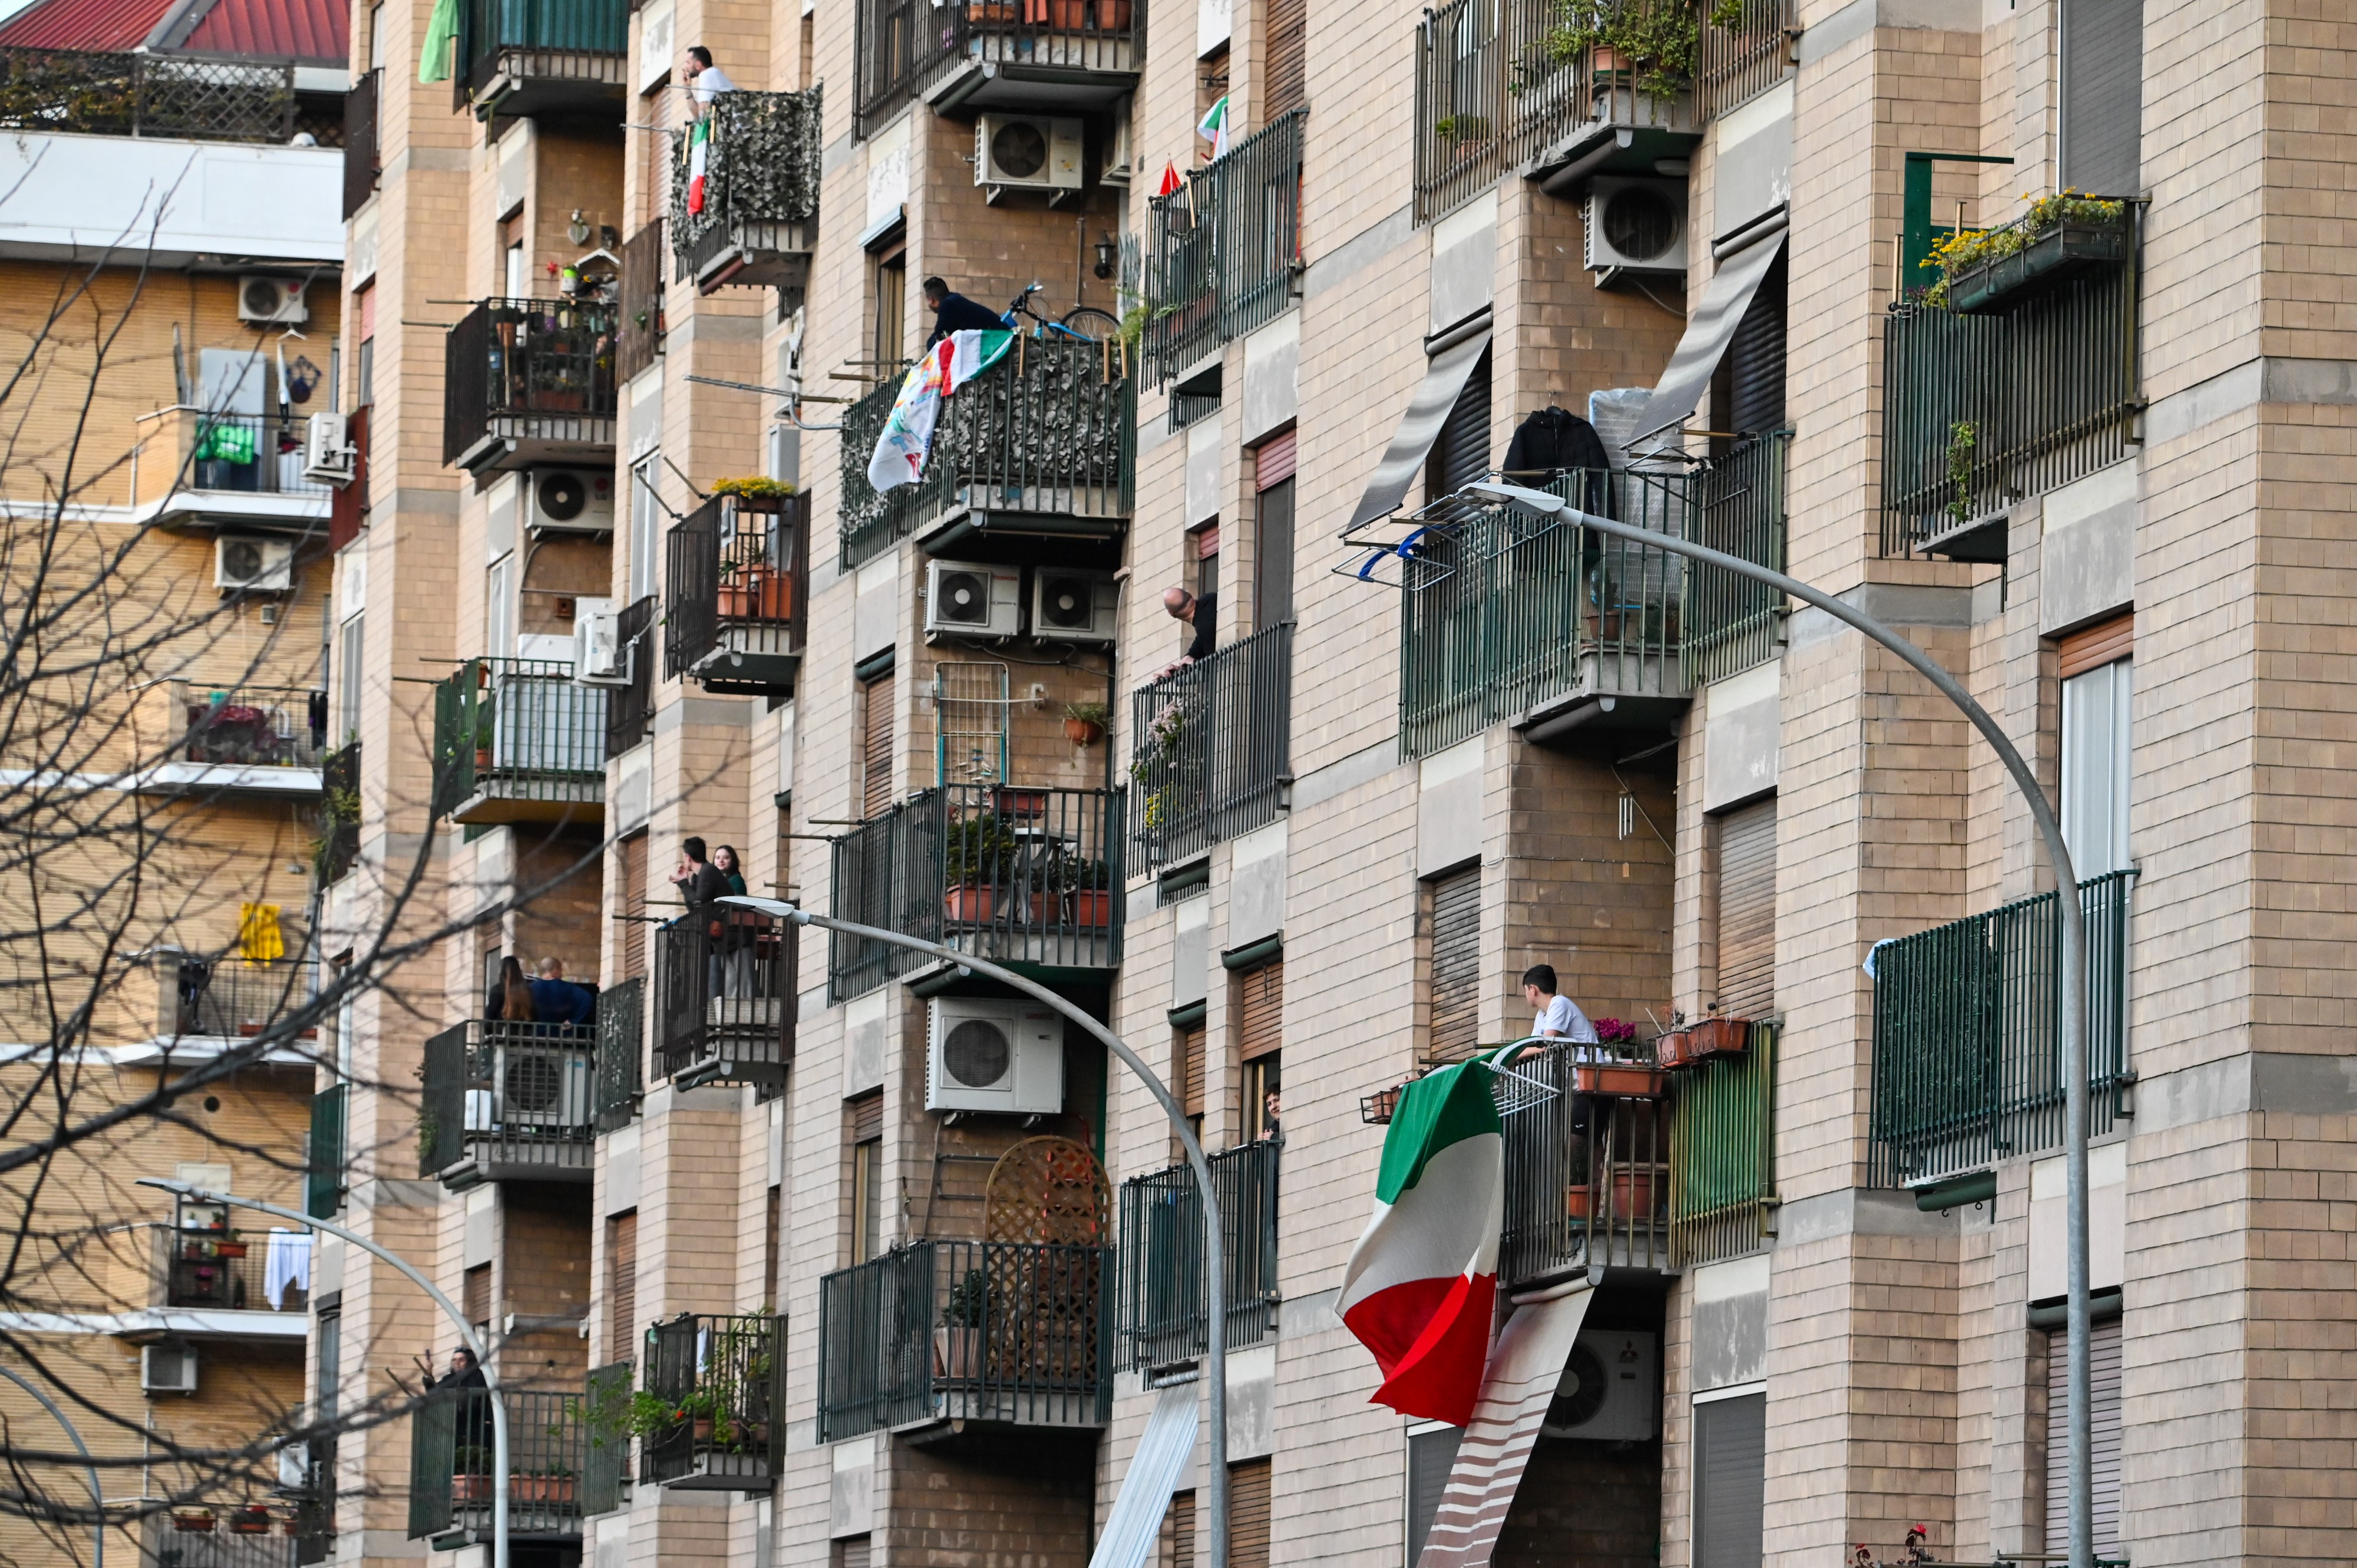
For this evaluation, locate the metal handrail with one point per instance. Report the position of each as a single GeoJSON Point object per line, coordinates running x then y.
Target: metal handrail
{"type": "Point", "coordinates": [903, 47]}
{"type": "Point", "coordinates": [1212, 748]}
{"type": "Point", "coordinates": [520, 729]}
{"type": "Point", "coordinates": [529, 365]}
{"type": "Point", "coordinates": [1160, 1315]}
{"type": "Point", "coordinates": [1223, 256]}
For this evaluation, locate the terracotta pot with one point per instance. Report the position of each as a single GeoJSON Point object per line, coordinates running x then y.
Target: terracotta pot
{"type": "Point", "coordinates": [229, 1248]}
{"type": "Point", "coordinates": [471, 1492]}
{"type": "Point", "coordinates": [483, 758]}
{"type": "Point", "coordinates": [543, 1490]}
{"type": "Point", "coordinates": [1025, 803]}
{"type": "Point", "coordinates": [1092, 908]}
{"type": "Point", "coordinates": [1630, 1082]}
{"type": "Point", "coordinates": [193, 1524]}
{"type": "Point", "coordinates": [242, 1525]}
{"type": "Point", "coordinates": [1674, 1050]}
{"type": "Point", "coordinates": [1068, 16]}
{"type": "Point", "coordinates": [999, 12]}
{"type": "Point", "coordinates": [1575, 1202]}
{"type": "Point", "coordinates": [1632, 1194]}
{"type": "Point", "coordinates": [1722, 1038]}
{"type": "Point", "coordinates": [1083, 731]}
{"type": "Point", "coordinates": [1045, 909]}
{"type": "Point", "coordinates": [974, 906]}
{"type": "Point", "coordinates": [700, 1429]}
{"type": "Point", "coordinates": [957, 1353]}
{"type": "Point", "coordinates": [1113, 15]}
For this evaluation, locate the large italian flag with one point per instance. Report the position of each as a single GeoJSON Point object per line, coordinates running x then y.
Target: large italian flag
{"type": "Point", "coordinates": [1422, 1284]}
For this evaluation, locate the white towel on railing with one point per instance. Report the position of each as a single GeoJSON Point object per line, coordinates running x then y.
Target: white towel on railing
{"type": "Point", "coordinates": [287, 1263]}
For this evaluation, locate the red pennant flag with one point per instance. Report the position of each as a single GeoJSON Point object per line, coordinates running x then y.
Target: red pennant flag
{"type": "Point", "coordinates": [1170, 182]}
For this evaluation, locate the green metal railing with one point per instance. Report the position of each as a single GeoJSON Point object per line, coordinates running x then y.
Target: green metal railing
{"type": "Point", "coordinates": [1737, 63]}
{"type": "Point", "coordinates": [514, 1098]}
{"type": "Point", "coordinates": [605, 1437]}
{"type": "Point", "coordinates": [1491, 91]}
{"type": "Point", "coordinates": [584, 40]}
{"type": "Point", "coordinates": [761, 179]}
{"type": "Point", "coordinates": [1214, 747]}
{"type": "Point", "coordinates": [622, 1053]}
{"type": "Point", "coordinates": [1159, 1294]}
{"type": "Point", "coordinates": [1223, 253]}
{"type": "Point", "coordinates": [1586, 1175]}
{"type": "Point", "coordinates": [1981, 410]}
{"type": "Point", "coordinates": [1733, 623]}
{"type": "Point", "coordinates": [726, 1375]}
{"type": "Point", "coordinates": [450, 1457]}
{"type": "Point", "coordinates": [323, 1182]}
{"type": "Point", "coordinates": [1046, 433]}
{"type": "Point", "coordinates": [1723, 1143]}
{"type": "Point", "coordinates": [1967, 1044]}
{"type": "Point", "coordinates": [518, 729]}
{"type": "Point", "coordinates": [996, 1331]}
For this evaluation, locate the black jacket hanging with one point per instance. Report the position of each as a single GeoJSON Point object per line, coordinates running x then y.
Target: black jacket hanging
{"type": "Point", "coordinates": [1550, 441]}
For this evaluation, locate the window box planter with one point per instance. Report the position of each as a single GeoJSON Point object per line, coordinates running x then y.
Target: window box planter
{"type": "Point", "coordinates": [2054, 257]}
{"type": "Point", "coordinates": [957, 1353]}
{"type": "Point", "coordinates": [250, 1521]}
{"type": "Point", "coordinates": [1025, 804]}
{"type": "Point", "coordinates": [193, 1524]}
{"type": "Point", "coordinates": [542, 1491]}
{"type": "Point", "coordinates": [1092, 909]}
{"type": "Point", "coordinates": [1676, 1050]}
{"type": "Point", "coordinates": [1628, 1082]}
{"type": "Point", "coordinates": [1632, 1195]}
{"type": "Point", "coordinates": [1721, 1037]}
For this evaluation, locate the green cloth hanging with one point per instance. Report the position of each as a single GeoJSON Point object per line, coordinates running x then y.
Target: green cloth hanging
{"type": "Point", "coordinates": [441, 29]}
{"type": "Point", "coordinates": [225, 444]}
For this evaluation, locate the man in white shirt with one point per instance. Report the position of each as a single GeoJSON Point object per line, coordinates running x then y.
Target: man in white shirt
{"type": "Point", "coordinates": [705, 80]}
{"type": "Point", "coordinates": [1560, 1017]}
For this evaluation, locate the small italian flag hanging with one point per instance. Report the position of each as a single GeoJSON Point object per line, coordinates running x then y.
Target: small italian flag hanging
{"type": "Point", "coordinates": [1214, 129]}
{"type": "Point", "coordinates": [699, 142]}
{"type": "Point", "coordinates": [1422, 1284]}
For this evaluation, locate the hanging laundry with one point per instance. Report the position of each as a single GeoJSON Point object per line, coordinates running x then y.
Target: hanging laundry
{"type": "Point", "coordinates": [232, 443]}
{"type": "Point", "coordinates": [441, 33]}
{"type": "Point", "coordinates": [907, 437]}
{"type": "Point", "coordinates": [287, 1263]}
{"type": "Point", "coordinates": [699, 151]}
{"type": "Point", "coordinates": [1214, 129]}
{"type": "Point", "coordinates": [258, 937]}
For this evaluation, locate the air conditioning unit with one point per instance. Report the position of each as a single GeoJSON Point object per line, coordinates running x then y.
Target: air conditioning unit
{"type": "Point", "coordinates": [1074, 606]}
{"type": "Point", "coordinates": [1610, 1390]}
{"type": "Point", "coordinates": [989, 1053]}
{"type": "Point", "coordinates": [542, 1086]}
{"type": "Point", "coordinates": [278, 301]}
{"type": "Point", "coordinates": [329, 457]}
{"type": "Point", "coordinates": [598, 657]}
{"type": "Point", "coordinates": [1026, 152]}
{"type": "Point", "coordinates": [1636, 225]}
{"type": "Point", "coordinates": [252, 566]}
{"type": "Point", "coordinates": [168, 1369]}
{"type": "Point", "coordinates": [572, 500]}
{"type": "Point", "coordinates": [1117, 154]}
{"type": "Point", "coordinates": [965, 599]}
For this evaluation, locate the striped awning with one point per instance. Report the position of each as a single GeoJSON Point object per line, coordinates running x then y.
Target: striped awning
{"type": "Point", "coordinates": [1154, 1470]}
{"type": "Point", "coordinates": [1709, 329]}
{"type": "Point", "coordinates": [1444, 377]}
{"type": "Point", "coordinates": [1519, 1383]}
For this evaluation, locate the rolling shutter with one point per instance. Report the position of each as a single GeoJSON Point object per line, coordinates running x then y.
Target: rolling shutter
{"type": "Point", "coordinates": [867, 1117]}
{"type": "Point", "coordinates": [2097, 646]}
{"type": "Point", "coordinates": [1747, 911]}
{"type": "Point", "coordinates": [1730, 1481]}
{"type": "Point", "coordinates": [1431, 1455]}
{"type": "Point", "coordinates": [2103, 96]}
{"type": "Point", "coordinates": [475, 1295]}
{"type": "Point", "coordinates": [1190, 1053]}
{"type": "Point", "coordinates": [1272, 556]}
{"type": "Point", "coordinates": [1755, 361]}
{"type": "Point", "coordinates": [1456, 964]}
{"type": "Point", "coordinates": [2104, 1385]}
{"type": "Point", "coordinates": [1248, 1514]}
{"type": "Point", "coordinates": [853, 1552]}
{"type": "Point", "coordinates": [1177, 1544]}
{"type": "Point", "coordinates": [1461, 454]}
{"type": "Point", "coordinates": [876, 745]}
{"type": "Point", "coordinates": [1288, 38]}
{"type": "Point", "coordinates": [622, 1272]}
{"type": "Point", "coordinates": [1260, 1003]}
{"type": "Point", "coordinates": [632, 936]}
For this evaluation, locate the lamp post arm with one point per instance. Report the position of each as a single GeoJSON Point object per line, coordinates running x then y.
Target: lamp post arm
{"type": "Point", "coordinates": [97, 1496]}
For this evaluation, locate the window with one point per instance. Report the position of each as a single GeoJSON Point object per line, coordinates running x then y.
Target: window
{"type": "Point", "coordinates": [2103, 1407]}
{"type": "Point", "coordinates": [1186, 1072]}
{"type": "Point", "coordinates": [376, 37]}
{"type": "Point", "coordinates": [364, 360]}
{"type": "Point", "coordinates": [351, 655]}
{"type": "Point", "coordinates": [866, 1126]}
{"type": "Point", "coordinates": [475, 1299]}
{"type": "Point", "coordinates": [850, 1553]}
{"type": "Point", "coordinates": [770, 1218]}
{"type": "Point", "coordinates": [1431, 1455]}
{"type": "Point", "coordinates": [645, 526]}
{"type": "Point", "coordinates": [1453, 933]}
{"type": "Point", "coordinates": [889, 345]}
{"type": "Point", "coordinates": [1248, 1498]}
{"type": "Point", "coordinates": [1260, 1041]}
{"type": "Point", "coordinates": [1461, 454]}
{"type": "Point", "coordinates": [1745, 883]}
{"type": "Point", "coordinates": [499, 608]}
{"type": "Point", "coordinates": [876, 716]}
{"type": "Point", "coordinates": [331, 1365]}
{"type": "Point", "coordinates": [516, 272]}
{"type": "Point", "coordinates": [1730, 1481]}
{"type": "Point", "coordinates": [1749, 385]}
{"type": "Point", "coordinates": [1204, 545]}
{"type": "Point", "coordinates": [2103, 96]}
{"type": "Point", "coordinates": [1273, 533]}
{"type": "Point", "coordinates": [631, 934]}
{"type": "Point", "coordinates": [2098, 691]}
{"type": "Point", "coordinates": [1175, 1546]}
{"type": "Point", "coordinates": [622, 1287]}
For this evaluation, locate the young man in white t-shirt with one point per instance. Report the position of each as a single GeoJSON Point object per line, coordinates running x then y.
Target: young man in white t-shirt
{"type": "Point", "coordinates": [1560, 1017]}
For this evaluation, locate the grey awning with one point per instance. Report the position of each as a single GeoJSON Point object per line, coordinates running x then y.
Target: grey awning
{"type": "Point", "coordinates": [1708, 331]}
{"type": "Point", "coordinates": [1444, 377]}
{"type": "Point", "coordinates": [1153, 1472]}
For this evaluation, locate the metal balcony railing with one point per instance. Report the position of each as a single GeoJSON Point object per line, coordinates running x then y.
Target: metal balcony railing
{"type": "Point", "coordinates": [1983, 409]}
{"type": "Point", "coordinates": [512, 1100]}
{"type": "Point", "coordinates": [621, 1054]}
{"type": "Point", "coordinates": [1048, 432]}
{"type": "Point", "coordinates": [450, 1457]}
{"type": "Point", "coordinates": [361, 146]}
{"type": "Point", "coordinates": [1587, 1175]}
{"type": "Point", "coordinates": [1212, 748]}
{"type": "Point", "coordinates": [245, 726]}
{"type": "Point", "coordinates": [630, 706]}
{"type": "Point", "coordinates": [726, 1380]}
{"type": "Point", "coordinates": [1491, 91]}
{"type": "Point", "coordinates": [230, 997]}
{"type": "Point", "coordinates": [584, 42]}
{"type": "Point", "coordinates": [737, 576]}
{"type": "Point", "coordinates": [640, 324]}
{"type": "Point", "coordinates": [756, 222]}
{"type": "Point", "coordinates": [1735, 64]}
{"type": "Point", "coordinates": [338, 848]}
{"type": "Point", "coordinates": [323, 1181]}
{"type": "Point", "coordinates": [1737, 505]}
{"type": "Point", "coordinates": [1723, 1153]}
{"type": "Point", "coordinates": [185, 448]}
{"type": "Point", "coordinates": [220, 1548]}
{"type": "Point", "coordinates": [1005, 871]}
{"type": "Point", "coordinates": [209, 1271]}
{"type": "Point", "coordinates": [903, 47]}
{"type": "Point", "coordinates": [517, 730]}
{"type": "Point", "coordinates": [997, 1331]}
{"type": "Point", "coordinates": [724, 997]}
{"type": "Point", "coordinates": [1160, 1312]}
{"type": "Point", "coordinates": [1967, 1041]}
{"type": "Point", "coordinates": [105, 94]}
{"type": "Point", "coordinates": [606, 1428]}
{"type": "Point", "coordinates": [529, 369]}
{"type": "Point", "coordinates": [1223, 256]}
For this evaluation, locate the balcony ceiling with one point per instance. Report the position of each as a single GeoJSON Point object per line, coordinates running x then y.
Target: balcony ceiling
{"type": "Point", "coordinates": [996, 87]}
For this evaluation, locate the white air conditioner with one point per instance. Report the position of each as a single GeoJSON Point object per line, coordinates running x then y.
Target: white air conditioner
{"type": "Point", "coordinates": [542, 1086]}
{"type": "Point", "coordinates": [1636, 225]}
{"type": "Point", "coordinates": [252, 566]}
{"type": "Point", "coordinates": [598, 657]}
{"type": "Point", "coordinates": [1074, 606]}
{"type": "Point", "coordinates": [572, 500]}
{"type": "Point", "coordinates": [327, 454]}
{"type": "Point", "coordinates": [168, 1369]}
{"type": "Point", "coordinates": [989, 1053]}
{"type": "Point", "coordinates": [1026, 152]}
{"type": "Point", "coordinates": [278, 301]}
{"type": "Point", "coordinates": [1610, 1389]}
{"type": "Point", "coordinates": [965, 599]}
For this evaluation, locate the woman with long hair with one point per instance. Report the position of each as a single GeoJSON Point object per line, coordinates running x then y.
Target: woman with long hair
{"type": "Point", "coordinates": [737, 928]}
{"type": "Point", "coordinates": [514, 991]}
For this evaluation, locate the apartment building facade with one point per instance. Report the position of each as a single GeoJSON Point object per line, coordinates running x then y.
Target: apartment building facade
{"type": "Point", "coordinates": [810, 1249]}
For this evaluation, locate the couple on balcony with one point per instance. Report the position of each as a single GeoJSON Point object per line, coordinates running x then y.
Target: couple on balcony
{"type": "Point", "coordinates": [734, 933]}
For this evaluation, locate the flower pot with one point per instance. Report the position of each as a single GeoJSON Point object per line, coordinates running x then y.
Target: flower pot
{"type": "Point", "coordinates": [483, 758]}
{"type": "Point", "coordinates": [1674, 1050]}
{"type": "Point", "coordinates": [973, 905]}
{"type": "Point", "coordinates": [193, 1524]}
{"type": "Point", "coordinates": [471, 1492]}
{"type": "Point", "coordinates": [2050, 260]}
{"type": "Point", "coordinates": [1576, 1201]}
{"type": "Point", "coordinates": [229, 1249]}
{"type": "Point", "coordinates": [1083, 731]}
{"type": "Point", "coordinates": [1113, 15]}
{"type": "Point", "coordinates": [957, 1353]}
{"type": "Point", "coordinates": [700, 1429]}
{"type": "Point", "coordinates": [1024, 804]}
{"type": "Point", "coordinates": [1068, 16]}
{"type": "Point", "coordinates": [1721, 1037]}
{"type": "Point", "coordinates": [544, 1491]}
{"type": "Point", "coordinates": [1093, 909]}
{"type": "Point", "coordinates": [249, 1524]}
{"type": "Point", "coordinates": [1629, 1082]}
{"type": "Point", "coordinates": [996, 12]}
{"type": "Point", "coordinates": [1632, 1195]}
{"type": "Point", "coordinates": [774, 596]}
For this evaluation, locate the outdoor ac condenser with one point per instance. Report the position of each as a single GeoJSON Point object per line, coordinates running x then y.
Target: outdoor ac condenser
{"type": "Point", "coordinates": [991, 1053]}
{"type": "Point", "coordinates": [1610, 1387]}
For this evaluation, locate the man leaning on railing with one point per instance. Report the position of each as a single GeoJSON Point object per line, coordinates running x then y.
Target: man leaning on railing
{"type": "Point", "coordinates": [1200, 611]}
{"type": "Point", "coordinates": [1560, 1017]}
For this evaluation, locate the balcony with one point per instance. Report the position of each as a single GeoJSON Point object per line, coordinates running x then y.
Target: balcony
{"type": "Point", "coordinates": [1026, 876]}
{"type": "Point", "coordinates": [735, 589]}
{"type": "Point", "coordinates": [621, 1054]}
{"type": "Point", "coordinates": [1723, 1153]}
{"type": "Point", "coordinates": [1737, 507]}
{"type": "Point", "coordinates": [215, 1284]}
{"type": "Point", "coordinates": [998, 1331]}
{"type": "Point", "coordinates": [507, 1101]}
{"type": "Point", "coordinates": [450, 1475]}
{"type": "Point", "coordinates": [1043, 57]}
{"type": "Point", "coordinates": [724, 999]}
{"type": "Point", "coordinates": [363, 144]}
{"type": "Point", "coordinates": [542, 57]}
{"type": "Point", "coordinates": [640, 326]}
{"type": "Point", "coordinates": [1160, 1301]}
{"type": "Point", "coordinates": [631, 706]}
{"type": "Point", "coordinates": [724, 1378]}
{"type": "Point", "coordinates": [222, 1547]}
{"type": "Point", "coordinates": [530, 382]}
{"type": "Point", "coordinates": [243, 471]}
{"type": "Point", "coordinates": [516, 740]}
{"type": "Point", "coordinates": [228, 999]}
{"type": "Point", "coordinates": [1039, 449]}
{"type": "Point", "coordinates": [226, 741]}
{"type": "Point", "coordinates": [338, 848]}
{"type": "Point", "coordinates": [757, 222]}
{"type": "Point", "coordinates": [1736, 64]}
{"type": "Point", "coordinates": [1223, 256]}
{"type": "Point", "coordinates": [146, 95]}
{"type": "Point", "coordinates": [1967, 1035]}
{"type": "Point", "coordinates": [1211, 748]}
{"type": "Point", "coordinates": [2029, 381]}
{"type": "Point", "coordinates": [1587, 1171]}
{"type": "Point", "coordinates": [323, 1179]}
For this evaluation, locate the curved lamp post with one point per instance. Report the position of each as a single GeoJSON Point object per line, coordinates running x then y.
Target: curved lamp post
{"type": "Point", "coordinates": [97, 1497]}
{"type": "Point", "coordinates": [466, 1333]}
{"type": "Point", "coordinates": [1540, 504]}
{"type": "Point", "coordinates": [1215, 1305]}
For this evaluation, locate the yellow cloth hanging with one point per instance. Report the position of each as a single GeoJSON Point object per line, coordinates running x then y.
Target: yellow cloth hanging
{"type": "Point", "coordinates": [258, 937]}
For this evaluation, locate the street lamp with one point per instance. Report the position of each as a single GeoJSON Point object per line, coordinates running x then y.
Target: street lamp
{"type": "Point", "coordinates": [193, 1192]}
{"type": "Point", "coordinates": [1215, 1312]}
{"type": "Point", "coordinates": [1540, 504]}
{"type": "Point", "coordinates": [97, 1497]}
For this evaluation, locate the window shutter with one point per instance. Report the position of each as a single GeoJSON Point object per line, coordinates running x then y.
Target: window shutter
{"type": "Point", "coordinates": [1747, 911]}
{"type": "Point", "coordinates": [853, 1552]}
{"type": "Point", "coordinates": [2103, 96]}
{"type": "Point", "coordinates": [1248, 1514]}
{"type": "Point", "coordinates": [2103, 1386]}
{"type": "Point", "coordinates": [1273, 461]}
{"type": "Point", "coordinates": [622, 1272]}
{"type": "Point", "coordinates": [1288, 38]}
{"type": "Point", "coordinates": [1461, 455]}
{"type": "Point", "coordinates": [632, 937]}
{"type": "Point", "coordinates": [1178, 1543]}
{"type": "Point", "coordinates": [867, 1117]}
{"type": "Point", "coordinates": [1431, 1455]}
{"type": "Point", "coordinates": [875, 749]}
{"type": "Point", "coordinates": [1755, 360]}
{"type": "Point", "coordinates": [1190, 1070]}
{"type": "Point", "coordinates": [1259, 1001]}
{"type": "Point", "coordinates": [1272, 556]}
{"type": "Point", "coordinates": [1730, 1481]}
{"type": "Point", "coordinates": [1456, 964]}
{"type": "Point", "coordinates": [475, 1295]}
{"type": "Point", "coordinates": [2097, 646]}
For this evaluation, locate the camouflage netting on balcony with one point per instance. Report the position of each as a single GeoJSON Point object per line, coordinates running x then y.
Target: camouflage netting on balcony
{"type": "Point", "coordinates": [145, 95]}
{"type": "Point", "coordinates": [761, 165]}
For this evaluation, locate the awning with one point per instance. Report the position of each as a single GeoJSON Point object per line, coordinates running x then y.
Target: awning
{"type": "Point", "coordinates": [1144, 1496]}
{"type": "Point", "coordinates": [1525, 1366]}
{"type": "Point", "coordinates": [1444, 377]}
{"type": "Point", "coordinates": [1708, 331]}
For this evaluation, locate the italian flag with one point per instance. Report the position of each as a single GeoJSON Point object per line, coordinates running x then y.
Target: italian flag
{"type": "Point", "coordinates": [907, 438]}
{"type": "Point", "coordinates": [699, 142]}
{"type": "Point", "coordinates": [1422, 1283]}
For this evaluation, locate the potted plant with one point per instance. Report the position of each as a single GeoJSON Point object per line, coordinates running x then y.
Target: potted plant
{"type": "Point", "coordinates": [2062, 236]}
{"type": "Point", "coordinates": [1674, 1048]}
{"type": "Point", "coordinates": [1088, 881]}
{"type": "Point", "coordinates": [750, 588]}
{"type": "Point", "coordinates": [1461, 127]}
{"type": "Point", "coordinates": [193, 1521]}
{"type": "Point", "coordinates": [1647, 46]}
{"type": "Point", "coordinates": [1628, 1079]}
{"type": "Point", "coordinates": [755, 492]}
{"type": "Point", "coordinates": [957, 1343]}
{"type": "Point", "coordinates": [1084, 723]}
{"type": "Point", "coordinates": [975, 859]}
{"type": "Point", "coordinates": [652, 1415]}
{"type": "Point", "coordinates": [1721, 1037]}
{"type": "Point", "coordinates": [470, 1476]}
{"type": "Point", "coordinates": [251, 1520]}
